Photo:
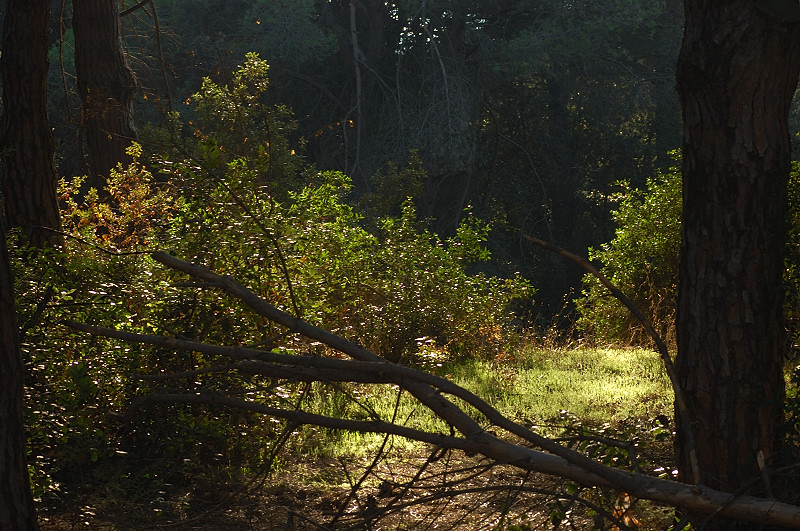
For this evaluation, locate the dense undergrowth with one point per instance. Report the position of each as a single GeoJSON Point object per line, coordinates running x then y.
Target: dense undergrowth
{"type": "Point", "coordinates": [642, 260]}
{"type": "Point", "coordinates": [234, 195]}
{"type": "Point", "coordinates": [228, 189]}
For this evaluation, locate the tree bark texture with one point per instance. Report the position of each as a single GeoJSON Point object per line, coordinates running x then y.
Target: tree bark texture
{"type": "Point", "coordinates": [737, 73]}
{"type": "Point", "coordinates": [106, 85]}
{"type": "Point", "coordinates": [26, 145]}
{"type": "Point", "coordinates": [16, 502]}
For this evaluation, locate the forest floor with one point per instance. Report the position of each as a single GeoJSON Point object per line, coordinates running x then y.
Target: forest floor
{"type": "Point", "coordinates": [616, 394]}
{"type": "Point", "coordinates": [418, 490]}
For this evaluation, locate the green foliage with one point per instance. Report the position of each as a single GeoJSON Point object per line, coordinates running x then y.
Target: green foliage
{"type": "Point", "coordinates": [134, 215]}
{"type": "Point", "coordinates": [622, 394]}
{"type": "Point", "coordinates": [312, 256]}
{"type": "Point", "coordinates": [234, 196]}
{"type": "Point", "coordinates": [792, 272]}
{"type": "Point", "coordinates": [384, 281]}
{"type": "Point", "coordinates": [790, 444]}
{"type": "Point", "coordinates": [422, 290]}
{"type": "Point", "coordinates": [76, 381]}
{"type": "Point", "coordinates": [391, 187]}
{"type": "Point", "coordinates": [597, 385]}
{"type": "Point", "coordinates": [641, 260]}
{"type": "Point", "coordinates": [237, 126]}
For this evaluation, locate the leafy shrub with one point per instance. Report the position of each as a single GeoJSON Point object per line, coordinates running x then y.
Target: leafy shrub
{"type": "Point", "coordinates": [234, 197]}
{"type": "Point", "coordinates": [641, 260]}
{"type": "Point", "coordinates": [236, 126]}
{"type": "Point", "coordinates": [392, 187]}
{"type": "Point", "coordinates": [386, 290]}
{"type": "Point", "coordinates": [792, 271]}
{"type": "Point", "coordinates": [791, 443]}
{"type": "Point", "coordinates": [383, 281]}
{"type": "Point", "coordinates": [103, 275]}
{"type": "Point", "coordinates": [134, 215]}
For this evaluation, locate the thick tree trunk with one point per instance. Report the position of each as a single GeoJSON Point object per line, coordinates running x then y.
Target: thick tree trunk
{"type": "Point", "coordinates": [16, 502]}
{"type": "Point", "coordinates": [106, 85]}
{"type": "Point", "coordinates": [737, 73]}
{"type": "Point", "coordinates": [26, 145]}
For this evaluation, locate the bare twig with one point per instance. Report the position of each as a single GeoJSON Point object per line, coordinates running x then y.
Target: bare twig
{"type": "Point", "coordinates": [161, 62]}
{"type": "Point", "coordinates": [134, 8]}
{"type": "Point", "coordinates": [449, 493]}
{"type": "Point", "coordinates": [375, 461]}
{"type": "Point", "coordinates": [33, 320]}
{"type": "Point", "coordinates": [100, 248]}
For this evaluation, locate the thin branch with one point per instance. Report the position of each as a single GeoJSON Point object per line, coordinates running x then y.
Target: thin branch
{"type": "Point", "coordinates": [90, 244]}
{"type": "Point", "coordinates": [292, 514]}
{"type": "Point", "coordinates": [356, 55]}
{"type": "Point", "coordinates": [268, 233]}
{"type": "Point", "coordinates": [680, 400]}
{"type": "Point", "coordinates": [134, 8]}
{"type": "Point", "coordinates": [375, 461]}
{"type": "Point", "coordinates": [194, 285]}
{"type": "Point", "coordinates": [161, 61]}
{"type": "Point", "coordinates": [33, 320]}
{"type": "Point", "coordinates": [449, 493]}
{"type": "Point", "coordinates": [304, 418]}
{"type": "Point", "coordinates": [186, 374]}
{"type": "Point", "coordinates": [425, 394]}
{"type": "Point", "coordinates": [61, 32]}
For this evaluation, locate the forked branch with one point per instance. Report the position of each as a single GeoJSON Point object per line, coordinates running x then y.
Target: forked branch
{"type": "Point", "coordinates": [436, 394]}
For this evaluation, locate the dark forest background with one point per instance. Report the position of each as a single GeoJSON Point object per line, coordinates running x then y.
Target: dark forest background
{"type": "Point", "coordinates": [529, 113]}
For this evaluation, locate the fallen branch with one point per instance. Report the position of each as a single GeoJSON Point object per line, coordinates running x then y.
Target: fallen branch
{"type": "Point", "coordinates": [430, 391]}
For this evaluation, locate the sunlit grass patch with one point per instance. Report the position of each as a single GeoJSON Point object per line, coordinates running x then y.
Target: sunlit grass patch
{"type": "Point", "coordinates": [532, 386]}
{"type": "Point", "coordinates": [597, 385]}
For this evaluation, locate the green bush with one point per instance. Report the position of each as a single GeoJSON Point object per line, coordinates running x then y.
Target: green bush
{"type": "Point", "coordinates": [387, 289]}
{"type": "Point", "coordinates": [384, 281]}
{"type": "Point", "coordinates": [792, 272]}
{"type": "Point", "coordinates": [235, 197]}
{"type": "Point", "coordinates": [641, 260]}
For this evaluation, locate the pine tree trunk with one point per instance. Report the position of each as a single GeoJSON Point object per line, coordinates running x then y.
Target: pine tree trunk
{"type": "Point", "coordinates": [737, 73]}
{"type": "Point", "coordinates": [106, 86]}
{"type": "Point", "coordinates": [27, 147]}
{"type": "Point", "coordinates": [16, 502]}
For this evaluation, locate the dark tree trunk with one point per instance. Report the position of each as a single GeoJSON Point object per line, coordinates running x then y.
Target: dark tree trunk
{"type": "Point", "coordinates": [106, 85]}
{"type": "Point", "coordinates": [27, 147]}
{"type": "Point", "coordinates": [737, 73]}
{"type": "Point", "coordinates": [16, 502]}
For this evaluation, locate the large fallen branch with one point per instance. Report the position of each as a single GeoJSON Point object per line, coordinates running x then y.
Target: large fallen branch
{"type": "Point", "coordinates": [433, 392]}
